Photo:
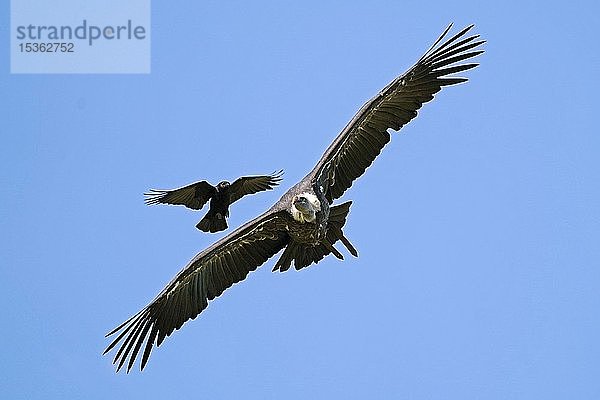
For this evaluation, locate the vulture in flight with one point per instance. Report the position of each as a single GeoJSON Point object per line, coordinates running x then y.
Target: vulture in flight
{"type": "Point", "coordinates": [304, 223]}
{"type": "Point", "coordinates": [196, 195]}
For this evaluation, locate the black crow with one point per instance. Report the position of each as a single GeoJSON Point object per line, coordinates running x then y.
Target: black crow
{"type": "Point", "coordinates": [196, 195]}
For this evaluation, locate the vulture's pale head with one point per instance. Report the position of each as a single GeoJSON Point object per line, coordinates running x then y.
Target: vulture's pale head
{"type": "Point", "coordinates": [305, 206]}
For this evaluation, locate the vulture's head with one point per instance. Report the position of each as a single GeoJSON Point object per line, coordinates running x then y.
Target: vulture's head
{"type": "Point", "coordinates": [302, 204]}
{"type": "Point", "coordinates": [304, 207]}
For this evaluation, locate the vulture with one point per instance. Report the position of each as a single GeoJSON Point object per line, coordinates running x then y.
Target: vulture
{"type": "Point", "coordinates": [196, 195]}
{"type": "Point", "coordinates": [304, 224]}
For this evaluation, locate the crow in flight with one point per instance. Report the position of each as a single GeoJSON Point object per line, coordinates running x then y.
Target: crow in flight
{"type": "Point", "coordinates": [196, 195]}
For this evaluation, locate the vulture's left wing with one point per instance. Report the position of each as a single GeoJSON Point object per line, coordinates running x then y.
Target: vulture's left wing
{"type": "Point", "coordinates": [206, 276]}
{"type": "Point", "coordinates": [361, 141]}
{"type": "Point", "coordinates": [253, 184]}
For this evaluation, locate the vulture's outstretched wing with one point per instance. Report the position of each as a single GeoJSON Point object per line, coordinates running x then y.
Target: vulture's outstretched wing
{"type": "Point", "coordinates": [206, 276]}
{"type": "Point", "coordinates": [361, 141]}
{"type": "Point", "coordinates": [193, 196]}
{"type": "Point", "coordinates": [253, 184]}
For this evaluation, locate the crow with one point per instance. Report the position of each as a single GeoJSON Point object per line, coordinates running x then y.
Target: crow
{"type": "Point", "coordinates": [196, 195]}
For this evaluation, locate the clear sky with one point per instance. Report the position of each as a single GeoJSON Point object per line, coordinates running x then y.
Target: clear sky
{"type": "Point", "coordinates": [477, 227]}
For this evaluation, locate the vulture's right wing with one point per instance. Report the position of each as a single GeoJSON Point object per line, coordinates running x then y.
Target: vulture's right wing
{"type": "Point", "coordinates": [207, 275]}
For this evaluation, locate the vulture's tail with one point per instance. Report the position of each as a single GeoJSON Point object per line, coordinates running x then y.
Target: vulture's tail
{"type": "Point", "coordinates": [302, 255]}
{"type": "Point", "coordinates": [212, 222]}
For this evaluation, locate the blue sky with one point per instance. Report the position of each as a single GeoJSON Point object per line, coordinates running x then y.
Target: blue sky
{"type": "Point", "coordinates": [477, 227]}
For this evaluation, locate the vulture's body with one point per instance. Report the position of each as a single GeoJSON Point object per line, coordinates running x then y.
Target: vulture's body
{"type": "Point", "coordinates": [304, 222]}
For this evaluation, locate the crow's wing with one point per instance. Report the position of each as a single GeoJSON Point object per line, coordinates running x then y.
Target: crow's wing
{"type": "Point", "coordinates": [253, 184]}
{"type": "Point", "coordinates": [193, 196]}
